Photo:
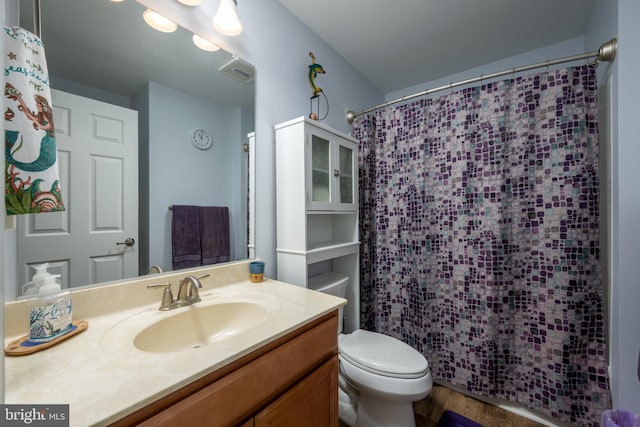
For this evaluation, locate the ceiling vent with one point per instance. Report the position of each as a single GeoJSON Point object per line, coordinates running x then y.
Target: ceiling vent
{"type": "Point", "coordinates": [239, 69]}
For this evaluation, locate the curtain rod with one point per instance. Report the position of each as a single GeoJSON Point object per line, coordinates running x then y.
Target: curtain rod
{"type": "Point", "coordinates": [606, 53]}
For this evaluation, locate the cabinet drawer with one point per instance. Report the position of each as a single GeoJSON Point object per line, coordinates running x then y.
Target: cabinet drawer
{"type": "Point", "coordinates": [241, 393]}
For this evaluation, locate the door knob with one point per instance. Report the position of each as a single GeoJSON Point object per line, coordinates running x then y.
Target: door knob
{"type": "Point", "coordinates": [129, 242]}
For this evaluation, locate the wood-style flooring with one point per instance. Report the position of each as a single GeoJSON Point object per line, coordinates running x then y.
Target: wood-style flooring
{"type": "Point", "coordinates": [429, 410]}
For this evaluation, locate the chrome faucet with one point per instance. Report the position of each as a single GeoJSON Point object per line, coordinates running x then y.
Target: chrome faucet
{"type": "Point", "coordinates": [187, 292]}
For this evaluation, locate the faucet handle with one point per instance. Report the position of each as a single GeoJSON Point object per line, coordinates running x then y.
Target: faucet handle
{"type": "Point", "coordinates": [167, 296]}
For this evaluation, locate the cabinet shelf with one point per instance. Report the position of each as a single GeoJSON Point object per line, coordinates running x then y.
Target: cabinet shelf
{"type": "Point", "coordinates": [330, 245]}
{"type": "Point", "coordinates": [322, 251]}
{"type": "Point", "coordinates": [328, 250]}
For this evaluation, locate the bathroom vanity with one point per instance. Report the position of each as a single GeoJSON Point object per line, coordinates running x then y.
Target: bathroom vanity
{"type": "Point", "coordinates": [275, 364]}
{"type": "Point", "coordinates": [292, 379]}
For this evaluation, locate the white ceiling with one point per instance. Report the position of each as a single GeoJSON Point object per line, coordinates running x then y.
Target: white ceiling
{"type": "Point", "coordinates": [400, 43]}
{"type": "Point", "coordinates": [108, 46]}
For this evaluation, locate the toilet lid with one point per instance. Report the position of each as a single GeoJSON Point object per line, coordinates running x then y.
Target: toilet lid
{"type": "Point", "coordinates": [382, 355]}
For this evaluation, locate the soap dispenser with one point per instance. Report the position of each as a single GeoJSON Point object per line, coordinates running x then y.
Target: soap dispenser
{"type": "Point", "coordinates": [51, 314]}
{"type": "Point", "coordinates": [30, 289]}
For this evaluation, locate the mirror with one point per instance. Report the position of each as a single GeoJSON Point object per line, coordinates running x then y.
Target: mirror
{"type": "Point", "coordinates": [105, 51]}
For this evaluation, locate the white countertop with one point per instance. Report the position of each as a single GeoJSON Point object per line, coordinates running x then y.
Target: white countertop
{"type": "Point", "coordinates": [103, 383]}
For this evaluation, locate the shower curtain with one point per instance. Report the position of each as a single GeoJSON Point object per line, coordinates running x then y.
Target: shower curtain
{"type": "Point", "coordinates": [480, 239]}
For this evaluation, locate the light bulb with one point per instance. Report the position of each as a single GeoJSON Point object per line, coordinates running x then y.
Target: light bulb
{"type": "Point", "coordinates": [226, 20]}
{"type": "Point", "coordinates": [159, 22]}
{"type": "Point", "coordinates": [204, 44]}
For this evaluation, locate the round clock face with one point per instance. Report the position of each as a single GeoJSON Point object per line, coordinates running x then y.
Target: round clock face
{"type": "Point", "coordinates": [201, 139]}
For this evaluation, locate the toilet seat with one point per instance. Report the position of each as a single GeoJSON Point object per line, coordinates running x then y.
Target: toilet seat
{"type": "Point", "coordinates": [382, 355]}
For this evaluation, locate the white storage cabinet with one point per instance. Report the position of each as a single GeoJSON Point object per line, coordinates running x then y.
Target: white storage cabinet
{"type": "Point", "coordinates": [317, 207]}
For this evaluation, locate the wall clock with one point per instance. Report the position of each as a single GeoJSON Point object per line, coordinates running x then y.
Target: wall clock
{"type": "Point", "coordinates": [201, 138]}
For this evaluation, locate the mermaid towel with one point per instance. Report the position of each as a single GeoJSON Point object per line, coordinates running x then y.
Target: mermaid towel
{"type": "Point", "coordinates": [32, 182]}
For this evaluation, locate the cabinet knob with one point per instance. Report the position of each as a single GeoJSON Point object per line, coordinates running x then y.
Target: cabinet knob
{"type": "Point", "coordinates": [336, 172]}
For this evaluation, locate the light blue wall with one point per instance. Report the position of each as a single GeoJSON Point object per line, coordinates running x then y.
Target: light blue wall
{"type": "Point", "coordinates": [278, 45]}
{"type": "Point", "coordinates": [202, 177]}
{"type": "Point", "coordinates": [558, 50]}
{"type": "Point", "coordinates": [619, 19]}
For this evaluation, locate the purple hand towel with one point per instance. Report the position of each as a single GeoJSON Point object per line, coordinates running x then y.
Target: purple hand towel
{"type": "Point", "coordinates": [185, 237]}
{"type": "Point", "coordinates": [214, 237]}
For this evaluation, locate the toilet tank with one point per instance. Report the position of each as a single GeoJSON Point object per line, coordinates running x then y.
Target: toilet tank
{"type": "Point", "coordinates": [331, 283]}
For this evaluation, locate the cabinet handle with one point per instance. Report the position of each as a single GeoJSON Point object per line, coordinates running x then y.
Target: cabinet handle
{"type": "Point", "coordinates": [336, 172]}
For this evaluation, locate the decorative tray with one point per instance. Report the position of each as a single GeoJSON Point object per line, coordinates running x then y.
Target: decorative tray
{"type": "Point", "coordinates": [22, 346]}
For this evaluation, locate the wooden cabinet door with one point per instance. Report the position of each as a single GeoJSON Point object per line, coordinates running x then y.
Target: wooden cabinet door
{"type": "Point", "coordinates": [313, 402]}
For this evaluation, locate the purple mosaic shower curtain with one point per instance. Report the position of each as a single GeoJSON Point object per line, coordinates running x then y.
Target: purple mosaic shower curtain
{"type": "Point", "coordinates": [480, 239]}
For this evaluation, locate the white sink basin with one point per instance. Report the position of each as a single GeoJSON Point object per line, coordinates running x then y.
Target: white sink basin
{"type": "Point", "coordinates": [199, 326]}
{"type": "Point", "coordinates": [212, 320]}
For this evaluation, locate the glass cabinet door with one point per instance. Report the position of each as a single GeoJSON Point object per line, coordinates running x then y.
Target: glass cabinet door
{"type": "Point", "coordinates": [331, 172]}
{"type": "Point", "coordinates": [320, 170]}
{"type": "Point", "coordinates": [345, 160]}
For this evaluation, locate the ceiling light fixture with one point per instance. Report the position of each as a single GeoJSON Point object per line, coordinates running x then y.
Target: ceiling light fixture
{"type": "Point", "coordinates": [159, 22]}
{"type": "Point", "coordinates": [190, 2]}
{"type": "Point", "coordinates": [226, 20]}
{"type": "Point", "coordinates": [204, 44]}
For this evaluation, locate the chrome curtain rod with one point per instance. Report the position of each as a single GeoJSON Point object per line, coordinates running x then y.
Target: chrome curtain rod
{"type": "Point", "coordinates": [606, 53]}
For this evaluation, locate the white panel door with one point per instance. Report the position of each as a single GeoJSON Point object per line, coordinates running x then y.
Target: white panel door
{"type": "Point", "coordinates": [98, 161]}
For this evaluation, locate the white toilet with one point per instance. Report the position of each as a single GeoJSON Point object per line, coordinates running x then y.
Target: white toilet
{"type": "Point", "coordinates": [380, 376]}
